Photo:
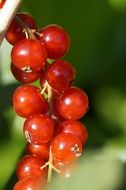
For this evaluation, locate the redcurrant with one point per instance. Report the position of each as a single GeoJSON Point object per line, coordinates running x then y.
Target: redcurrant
{"type": "Point", "coordinates": [66, 148]}
{"type": "Point", "coordinates": [29, 55]}
{"type": "Point", "coordinates": [73, 104]}
{"type": "Point", "coordinates": [38, 129]}
{"type": "Point", "coordinates": [30, 166]}
{"type": "Point", "coordinates": [56, 40]}
{"type": "Point", "coordinates": [27, 101]}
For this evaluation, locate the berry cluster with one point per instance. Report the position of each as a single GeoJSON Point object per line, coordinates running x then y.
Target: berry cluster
{"type": "Point", "coordinates": [52, 110]}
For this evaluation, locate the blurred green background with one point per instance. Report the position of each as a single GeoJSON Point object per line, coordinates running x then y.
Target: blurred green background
{"type": "Point", "coordinates": [98, 51]}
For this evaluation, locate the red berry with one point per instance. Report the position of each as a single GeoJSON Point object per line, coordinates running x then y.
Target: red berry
{"type": "Point", "coordinates": [27, 101]}
{"type": "Point", "coordinates": [41, 150]}
{"type": "Point", "coordinates": [30, 166]}
{"type": "Point", "coordinates": [33, 183]}
{"type": "Point", "coordinates": [25, 77]}
{"type": "Point", "coordinates": [60, 74]}
{"type": "Point", "coordinates": [56, 40]}
{"type": "Point", "coordinates": [75, 128]}
{"type": "Point", "coordinates": [29, 55]}
{"type": "Point", "coordinates": [2, 3]}
{"type": "Point", "coordinates": [73, 104]}
{"type": "Point", "coordinates": [38, 129]}
{"type": "Point", "coordinates": [66, 148]}
{"type": "Point", "coordinates": [15, 32]}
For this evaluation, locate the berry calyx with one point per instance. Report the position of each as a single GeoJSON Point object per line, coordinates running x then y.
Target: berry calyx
{"type": "Point", "coordinates": [66, 148]}
{"type": "Point", "coordinates": [56, 40]}
{"type": "Point", "coordinates": [25, 77]}
{"type": "Point", "coordinates": [16, 32]}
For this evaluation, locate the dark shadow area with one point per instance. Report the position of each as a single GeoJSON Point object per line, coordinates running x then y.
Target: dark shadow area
{"type": "Point", "coordinates": [6, 96]}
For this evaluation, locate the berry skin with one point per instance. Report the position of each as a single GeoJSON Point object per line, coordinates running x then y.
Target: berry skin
{"type": "Point", "coordinates": [60, 74]}
{"type": "Point", "coordinates": [29, 55]}
{"type": "Point", "coordinates": [33, 183]}
{"type": "Point", "coordinates": [27, 101]}
{"type": "Point", "coordinates": [38, 129]}
{"type": "Point", "coordinates": [76, 128]}
{"type": "Point", "coordinates": [41, 150]}
{"type": "Point", "coordinates": [66, 148]}
{"type": "Point", "coordinates": [30, 166]}
{"type": "Point", "coordinates": [73, 104]}
{"type": "Point", "coordinates": [2, 3]}
{"type": "Point", "coordinates": [15, 32]}
{"type": "Point", "coordinates": [24, 77]}
{"type": "Point", "coordinates": [56, 40]}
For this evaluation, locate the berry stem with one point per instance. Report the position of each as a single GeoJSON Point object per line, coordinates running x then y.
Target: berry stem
{"type": "Point", "coordinates": [27, 30]}
{"type": "Point", "coordinates": [50, 168]}
{"type": "Point", "coordinates": [7, 13]}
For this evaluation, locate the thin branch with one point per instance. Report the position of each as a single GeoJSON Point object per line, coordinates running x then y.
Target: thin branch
{"type": "Point", "coordinates": [6, 15]}
{"type": "Point", "coordinates": [25, 27]}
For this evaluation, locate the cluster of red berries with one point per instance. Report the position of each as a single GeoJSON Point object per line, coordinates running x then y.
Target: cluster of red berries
{"type": "Point", "coordinates": [54, 134]}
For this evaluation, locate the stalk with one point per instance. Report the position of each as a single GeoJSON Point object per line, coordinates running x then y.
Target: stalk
{"type": "Point", "coordinates": [6, 16]}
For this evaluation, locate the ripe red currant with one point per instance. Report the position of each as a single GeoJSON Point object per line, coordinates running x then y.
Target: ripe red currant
{"type": "Point", "coordinates": [38, 129]}
{"type": "Point", "coordinates": [30, 166]}
{"type": "Point", "coordinates": [29, 55]}
{"type": "Point", "coordinates": [56, 40]}
{"type": "Point", "coordinates": [66, 148]}
{"type": "Point", "coordinates": [41, 150]}
{"type": "Point", "coordinates": [76, 128]}
{"type": "Point", "coordinates": [25, 77]}
{"type": "Point", "coordinates": [15, 32]}
{"type": "Point", "coordinates": [27, 101]}
{"type": "Point", "coordinates": [32, 183]}
{"type": "Point", "coordinates": [60, 74]}
{"type": "Point", "coordinates": [73, 104]}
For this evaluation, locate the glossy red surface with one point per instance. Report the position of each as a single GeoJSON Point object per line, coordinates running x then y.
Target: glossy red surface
{"type": "Point", "coordinates": [66, 148]}
{"type": "Point", "coordinates": [72, 104]}
{"type": "Point", "coordinates": [56, 40]}
{"type": "Point", "coordinates": [24, 77]}
{"type": "Point", "coordinates": [75, 128]}
{"type": "Point", "coordinates": [15, 32]}
{"type": "Point", "coordinates": [41, 150]}
{"type": "Point", "coordinates": [38, 129]}
{"type": "Point", "coordinates": [33, 183]}
{"type": "Point", "coordinates": [27, 101]}
{"type": "Point", "coordinates": [30, 166]}
{"type": "Point", "coordinates": [29, 54]}
{"type": "Point", "coordinates": [60, 74]}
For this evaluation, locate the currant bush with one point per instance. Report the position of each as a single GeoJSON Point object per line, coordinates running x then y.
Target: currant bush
{"type": "Point", "coordinates": [52, 109]}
